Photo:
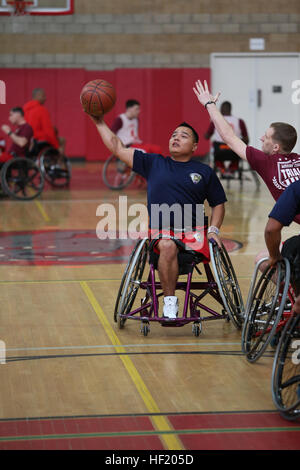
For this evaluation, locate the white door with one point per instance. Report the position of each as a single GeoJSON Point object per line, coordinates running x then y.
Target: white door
{"type": "Point", "coordinates": [259, 86]}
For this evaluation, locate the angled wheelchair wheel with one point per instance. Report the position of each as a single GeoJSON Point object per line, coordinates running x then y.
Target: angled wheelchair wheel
{"type": "Point", "coordinates": [130, 282]}
{"type": "Point", "coordinates": [254, 279]}
{"type": "Point", "coordinates": [286, 370]}
{"type": "Point", "coordinates": [264, 309]}
{"type": "Point", "coordinates": [22, 179]}
{"type": "Point", "coordinates": [227, 283]}
{"type": "Point", "coordinates": [56, 168]}
{"type": "Point", "coordinates": [116, 174]}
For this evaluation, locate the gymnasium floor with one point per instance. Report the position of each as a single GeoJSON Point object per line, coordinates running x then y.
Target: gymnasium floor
{"type": "Point", "coordinates": [72, 380]}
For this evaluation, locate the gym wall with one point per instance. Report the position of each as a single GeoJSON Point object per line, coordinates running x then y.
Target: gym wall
{"type": "Point", "coordinates": [152, 50]}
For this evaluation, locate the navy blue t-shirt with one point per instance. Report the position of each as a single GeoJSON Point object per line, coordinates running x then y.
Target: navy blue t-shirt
{"type": "Point", "coordinates": [182, 183]}
{"type": "Point", "coordinates": [288, 205]}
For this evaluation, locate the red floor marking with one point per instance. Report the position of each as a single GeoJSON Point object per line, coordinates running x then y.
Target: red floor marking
{"type": "Point", "coordinates": [289, 440]}
{"type": "Point", "coordinates": [232, 420]}
{"type": "Point", "coordinates": [90, 443]}
{"type": "Point", "coordinates": [75, 426]}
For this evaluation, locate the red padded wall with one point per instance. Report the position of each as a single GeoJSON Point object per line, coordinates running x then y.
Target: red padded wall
{"type": "Point", "coordinates": [166, 97]}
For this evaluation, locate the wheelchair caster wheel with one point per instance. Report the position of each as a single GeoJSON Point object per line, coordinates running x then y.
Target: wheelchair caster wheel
{"type": "Point", "coordinates": [121, 322]}
{"type": "Point", "coordinates": [145, 329]}
{"type": "Point", "coordinates": [196, 329]}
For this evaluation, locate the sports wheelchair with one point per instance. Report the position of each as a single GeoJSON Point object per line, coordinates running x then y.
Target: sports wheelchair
{"type": "Point", "coordinates": [269, 321]}
{"type": "Point", "coordinates": [268, 308]}
{"type": "Point", "coordinates": [222, 286]}
{"type": "Point", "coordinates": [23, 178]}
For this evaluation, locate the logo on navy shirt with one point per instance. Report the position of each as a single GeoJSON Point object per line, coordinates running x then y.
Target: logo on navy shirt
{"type": "Point", "coordinates": [195, 177]}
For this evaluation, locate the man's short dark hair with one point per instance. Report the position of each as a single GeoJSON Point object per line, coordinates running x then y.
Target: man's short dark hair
{"type": "Point", "coordinates": [196, 136]}
{"type": "Point", "coordinates": [130, 103]}
{"type": "Point", "coordinates": [285, 135]}
{"type": "Point", "coordinates": [18, 109]}
{"type": "Point", "coordinates": [226, 107]}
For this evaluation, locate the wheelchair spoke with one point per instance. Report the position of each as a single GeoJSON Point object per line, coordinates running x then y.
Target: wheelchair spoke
{"type": "Point", "coordinates": [228, 285]}
{"type": "Point", "coordinates": [130, 282]}
{"type": "Point", "coordinates": [21, 179]}
{"type": "Point", "coordinates": [265, 311]}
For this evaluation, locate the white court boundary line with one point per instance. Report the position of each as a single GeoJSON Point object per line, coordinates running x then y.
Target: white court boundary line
{"type": "Point", "coordinates": [105, 346]}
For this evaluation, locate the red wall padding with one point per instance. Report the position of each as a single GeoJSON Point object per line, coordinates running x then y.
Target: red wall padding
{"type": "Point", "coordinates": [166, 97]}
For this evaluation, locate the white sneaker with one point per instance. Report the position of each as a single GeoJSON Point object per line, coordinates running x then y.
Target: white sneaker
{"type": "Point", "coordinates": [170, 309]}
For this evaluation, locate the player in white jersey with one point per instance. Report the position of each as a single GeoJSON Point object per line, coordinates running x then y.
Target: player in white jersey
{"type": "Point", "coordinates": [126, 127]}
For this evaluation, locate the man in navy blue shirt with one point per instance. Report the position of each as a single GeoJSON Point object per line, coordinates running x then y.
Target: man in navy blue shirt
{"type": "Point", "coordinates": [282, 215]}
{"type": "Point", "coordinates": [176, 179]}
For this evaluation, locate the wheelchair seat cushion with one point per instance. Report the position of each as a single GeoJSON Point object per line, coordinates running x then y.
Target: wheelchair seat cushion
{"type": "Point", "coordinates": [185, 260]}
{"type": "Point", "coordinates": [192, 244]}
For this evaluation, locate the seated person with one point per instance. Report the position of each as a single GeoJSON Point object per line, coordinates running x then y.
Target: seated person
{"type": "Point", "coordinates": [37, 115]}
{"type": "Point", "coordinates": [176, 179]}
{"type": "Point", "coordinates": [21, 137]}
{"type": "Point", "coordinates": [222, 152]}
{"type": "Point", "coordinates": [126, 127]}
{"type": "Point", "coordinates": [282, 215]}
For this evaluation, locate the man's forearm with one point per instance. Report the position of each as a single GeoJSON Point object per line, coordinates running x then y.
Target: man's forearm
{"type": "Point", "coordinates": [222, 126]}
{"type": "Point", "coordinates": [110, 140]}
{"type": "Point", "coordinates": [273, 239]}
{"type": "Point", "coordinates": [113, 143]}
{"type": "Point", "coordinates": [217, 215]}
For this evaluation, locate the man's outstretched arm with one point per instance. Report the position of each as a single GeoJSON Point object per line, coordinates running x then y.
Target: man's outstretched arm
{"type": "Point", "coordinates": [222, 126]}
{"type": "Point", "coordinates": [112, 142]}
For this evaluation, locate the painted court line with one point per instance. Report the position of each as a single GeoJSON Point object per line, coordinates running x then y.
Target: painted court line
{"type": "Point", "coordinates": [104, 346]}
{"type": "Point", "coordinates": [162, 425]}
{"type": "Point", "coordinates": [42, 211]}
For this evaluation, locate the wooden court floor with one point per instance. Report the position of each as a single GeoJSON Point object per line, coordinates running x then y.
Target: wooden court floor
{"type": "Point", "coordinates": [73, 380]}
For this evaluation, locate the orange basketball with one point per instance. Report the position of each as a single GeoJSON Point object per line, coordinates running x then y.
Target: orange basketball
{"type": "Point", "coordinates": [97, 97]}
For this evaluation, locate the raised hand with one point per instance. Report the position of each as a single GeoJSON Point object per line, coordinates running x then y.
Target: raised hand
{"type": "Point", "coordinates": [203, 94]}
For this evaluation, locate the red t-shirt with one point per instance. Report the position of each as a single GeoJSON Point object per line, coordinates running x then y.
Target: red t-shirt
{"type": "Point", "coordinates": [278, 171]}
{"type": "Point", "coordinates": [25, 130]}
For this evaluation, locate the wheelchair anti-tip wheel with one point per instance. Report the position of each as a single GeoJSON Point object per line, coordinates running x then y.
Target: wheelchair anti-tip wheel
{"type": "Point", "coordinates": [286, 370]}
{"type": "Point", "coordinates": [131, 281]}
{"type": "Point", "coordinates": [227, 283]}
{"type": "Point", "coordinates": [22, 179]}
{"type": "Point", "coordinates": [116, 174]}
{"type": "Point", "coordinates": [264, 309]}
{"type": "Point", "coordinates": [56, 168]}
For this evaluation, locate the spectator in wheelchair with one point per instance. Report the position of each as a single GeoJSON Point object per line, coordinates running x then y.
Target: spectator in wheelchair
{"type": "Point", "coordinates": [282, 215]}
{"type": "Point", "coordinates": [38, 116]}
{"type": "Point", "coordinates": [21, 135]}
{"type": "Point", "coordinates": [221, 150]}
{"type": "Point", "coordinates": [275, 162]}
{"type": "Point", "coordinates": [175, 179]}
